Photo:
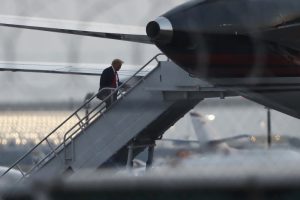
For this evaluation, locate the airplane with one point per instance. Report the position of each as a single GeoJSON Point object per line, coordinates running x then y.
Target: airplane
{"type": "Point", "coordinates": [210, 143]}
{"type": "Point", "coordinates": [209, 140]}
{"type": "Point", "coordinates": [231, 44]}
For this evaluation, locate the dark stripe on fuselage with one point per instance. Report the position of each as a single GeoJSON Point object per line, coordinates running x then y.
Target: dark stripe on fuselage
{"type": "Point", "coordinates": [225, 66]}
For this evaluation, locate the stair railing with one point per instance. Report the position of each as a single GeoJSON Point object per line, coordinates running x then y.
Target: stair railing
{"type": "Point", "coordinates": [78, 127]}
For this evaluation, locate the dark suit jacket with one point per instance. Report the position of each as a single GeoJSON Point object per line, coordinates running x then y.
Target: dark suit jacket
{"type": "Point", "coordinates": [107, 80]}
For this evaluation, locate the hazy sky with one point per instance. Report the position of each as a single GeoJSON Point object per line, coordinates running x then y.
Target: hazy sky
{"type": "Point", "coordinates": [38, 46]}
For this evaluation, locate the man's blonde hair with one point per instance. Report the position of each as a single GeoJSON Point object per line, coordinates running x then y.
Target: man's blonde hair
{"type": "Point", "coordinates": [117, 61]}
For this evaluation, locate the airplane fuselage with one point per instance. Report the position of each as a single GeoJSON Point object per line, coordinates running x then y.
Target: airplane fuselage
{"type": "Point", "coordinates": [246, 40]}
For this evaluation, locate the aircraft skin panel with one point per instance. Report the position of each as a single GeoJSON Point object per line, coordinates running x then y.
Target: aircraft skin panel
{"type": "Point", "coordinates": [285, 35]}
{"type": "Point", "coordinates": [111, 31]}
{"type": "Point", "coordinates": [285, 101]}
{"type": "Point", "coordinates": [201, 130]}
{"type": "Point", "coordinates": [239, 41]}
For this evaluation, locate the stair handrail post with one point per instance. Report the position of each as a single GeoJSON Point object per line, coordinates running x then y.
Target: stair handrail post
{"type": "Point", "coordinates": [77, 110]}
{"type": "Point", "coordinates": [46, 137]}
{"type": "Point", "coordinates": [80, 121]}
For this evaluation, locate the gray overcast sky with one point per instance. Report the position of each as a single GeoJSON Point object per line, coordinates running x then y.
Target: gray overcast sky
{"type": "Point", "coordinates": [37, 46]}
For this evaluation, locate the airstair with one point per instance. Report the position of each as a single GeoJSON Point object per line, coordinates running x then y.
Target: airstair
{"type": "Point", "coordinates": [95, 136]}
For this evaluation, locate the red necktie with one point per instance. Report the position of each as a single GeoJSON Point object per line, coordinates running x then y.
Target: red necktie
{"type": "Point", "coordinates": [114, 82]}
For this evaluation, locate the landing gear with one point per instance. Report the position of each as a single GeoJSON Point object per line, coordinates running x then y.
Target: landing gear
{"type": "Point", "coordinates": [150, 145]}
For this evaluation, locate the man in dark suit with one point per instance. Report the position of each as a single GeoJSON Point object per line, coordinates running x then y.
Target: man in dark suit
{"type": "Point", "coordinates": [110, 79]}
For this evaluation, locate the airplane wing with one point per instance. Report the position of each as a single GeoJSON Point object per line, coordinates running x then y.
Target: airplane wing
{"type": "Point", "coordinates": [74, 69]}
{"type": "Point", "coordinates": [118, 32]}
{"type": "Point", "coordinates": [49, 68]}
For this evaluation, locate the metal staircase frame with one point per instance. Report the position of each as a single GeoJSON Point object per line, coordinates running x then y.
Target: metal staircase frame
{"type": "Point", "coordinates": [78, 127]}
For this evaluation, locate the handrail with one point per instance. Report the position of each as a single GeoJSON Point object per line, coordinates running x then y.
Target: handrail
{"type": "Point", "coordinates": [105, 99]}
{"type": "Point", "coordinates": [115, 90]}
{"type": "Point", "coordinates": [80, 121]}
{"type": "Point", "coordinates": [122, 85]}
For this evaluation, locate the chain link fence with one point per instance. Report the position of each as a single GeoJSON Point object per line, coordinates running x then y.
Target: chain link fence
{"type": "Point", "coordinates": [223, 118]}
